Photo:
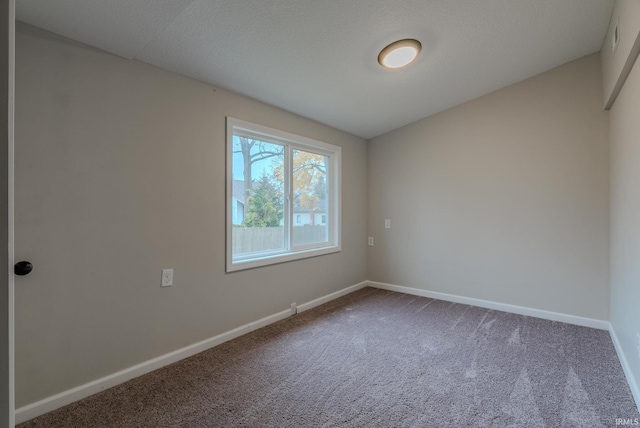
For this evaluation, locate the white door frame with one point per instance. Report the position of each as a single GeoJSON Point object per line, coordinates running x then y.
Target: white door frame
{"type": "Point", "coordinates": [7, 89]}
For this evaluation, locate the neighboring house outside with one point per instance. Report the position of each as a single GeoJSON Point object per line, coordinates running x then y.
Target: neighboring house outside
{"type": "Point", "coordinates": [237, 202]}
{"type": "Point", "coordinates": [303, 217]}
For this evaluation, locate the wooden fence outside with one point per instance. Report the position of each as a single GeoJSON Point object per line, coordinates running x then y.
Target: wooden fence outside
{"type": "Point", "coordinates": [255, 239]}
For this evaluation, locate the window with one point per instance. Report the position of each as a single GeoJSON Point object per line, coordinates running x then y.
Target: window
{"type": "Point", "coordinates": [283, 196]}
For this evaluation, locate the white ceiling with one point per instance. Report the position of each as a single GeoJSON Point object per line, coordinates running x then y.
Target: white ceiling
{"type": "Point", "coordinates": [319, 58]}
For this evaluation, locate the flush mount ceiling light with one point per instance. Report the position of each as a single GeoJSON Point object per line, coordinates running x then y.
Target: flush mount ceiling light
{"type": "Point", "coordinates": [399, 54]}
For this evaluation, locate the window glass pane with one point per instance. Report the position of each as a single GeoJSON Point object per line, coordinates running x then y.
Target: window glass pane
{"type": "Point", "coordinates": [282, 196]}
{"type": "Point", "coordinates": [310, 198]}
{"type": "Point", "coordinates": [258, 197]}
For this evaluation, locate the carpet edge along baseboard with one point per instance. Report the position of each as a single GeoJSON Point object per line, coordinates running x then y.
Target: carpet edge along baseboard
{"type": "Point", "coordinates": [72, 395]}
{"type": "Point", "coordinates": [64, 398]}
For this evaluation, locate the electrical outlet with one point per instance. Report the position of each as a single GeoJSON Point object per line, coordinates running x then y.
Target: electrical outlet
{"type": "Point", "coordinates": [294, 308]}
{"type": "Point", "coordinates": [167, 278]}
{"type": "Point", "coordinates": [370, 241]}
{"type": "Point", "coordinates": [387, 223]}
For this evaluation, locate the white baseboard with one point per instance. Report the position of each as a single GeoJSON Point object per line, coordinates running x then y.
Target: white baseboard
{"type": "Point", "coordinates": [49, 404]}
{"type": "Point", "coordinates": [505, 307]}
{"type": "Point", "coordinates": [626, 368]}
{"type": "Point", "coordinates": [329, 297]}
{"type": "Point", "coordinates": [67, 397]}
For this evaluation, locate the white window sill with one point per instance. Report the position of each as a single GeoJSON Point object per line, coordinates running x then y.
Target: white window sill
{"type": "Point", "coordinates": [237, 265]}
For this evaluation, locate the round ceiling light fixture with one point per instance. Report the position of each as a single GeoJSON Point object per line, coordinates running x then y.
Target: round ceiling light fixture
{"type": "Point", "coordinates": [399, 54]}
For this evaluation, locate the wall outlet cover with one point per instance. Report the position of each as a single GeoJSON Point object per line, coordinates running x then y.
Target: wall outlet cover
{"type": "Point", "coordinates": [167, 278]}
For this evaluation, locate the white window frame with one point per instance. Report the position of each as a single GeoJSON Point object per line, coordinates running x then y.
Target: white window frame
{"type": "Point", "coordinates": [291, 142]}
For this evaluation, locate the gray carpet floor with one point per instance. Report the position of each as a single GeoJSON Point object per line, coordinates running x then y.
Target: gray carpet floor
{"type": "Point", "coordinates": [376, 358]}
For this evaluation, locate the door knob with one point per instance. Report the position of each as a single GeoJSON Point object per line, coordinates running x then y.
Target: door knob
{"type": "Point", "coordinates": [22, 268]}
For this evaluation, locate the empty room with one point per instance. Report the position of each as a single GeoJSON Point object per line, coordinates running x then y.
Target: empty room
{"type": "Point", "coordinates": [297, 213]}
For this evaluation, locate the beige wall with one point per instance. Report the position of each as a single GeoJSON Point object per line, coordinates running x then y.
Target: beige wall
{"type": "Point", "coordinates": [120, 172]}
{"type": "Point", "coordinates": [503, 198]}
{"type": "Point", "coordinates": [625, 218]}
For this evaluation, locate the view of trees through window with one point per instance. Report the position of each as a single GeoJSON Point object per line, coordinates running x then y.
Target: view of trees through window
{"type": "Point", "coordinates": [261, 214]}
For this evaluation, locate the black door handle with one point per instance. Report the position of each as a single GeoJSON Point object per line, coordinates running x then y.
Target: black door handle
{"type": "Point", "coordinates": [22, 268]}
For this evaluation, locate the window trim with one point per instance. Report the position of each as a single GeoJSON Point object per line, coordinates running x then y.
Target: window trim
{"type": "Point", "coordinates": [291, 141]}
